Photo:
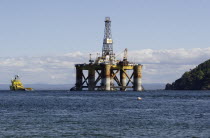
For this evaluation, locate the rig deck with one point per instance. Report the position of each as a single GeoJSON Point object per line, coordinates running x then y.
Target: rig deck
{"type": "Point", "coordinates": [105, 76]}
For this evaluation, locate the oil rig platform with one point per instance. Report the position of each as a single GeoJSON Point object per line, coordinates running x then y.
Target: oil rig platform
{"type": "Point", "coordinates": [105, 73]}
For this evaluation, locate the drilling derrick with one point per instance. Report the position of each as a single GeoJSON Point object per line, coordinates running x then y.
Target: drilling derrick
{"type": "Point", "coordinates": [107, 49]}
{"type": "Point", "coordinates": [106, 73]}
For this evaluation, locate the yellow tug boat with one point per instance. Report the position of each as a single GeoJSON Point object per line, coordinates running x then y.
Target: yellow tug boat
{"type": "Point", "coordinates": [17, 85]}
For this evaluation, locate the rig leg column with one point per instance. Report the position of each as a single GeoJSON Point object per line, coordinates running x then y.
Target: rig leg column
{"type": "Point", "coordinates": [137, 78]}
{"type": "Point", "coordinates": [78, 79]}
{"type": "Point", "coordinates": [107, 77]}
{"type": "Point", "coordinates": [102, 79]}
{"type": "Point", "coordinates": [111, 81]}
{"type": "Point", "coordinates": [91, 79]}
{"type": "Point", "coordinates": [123, 80]}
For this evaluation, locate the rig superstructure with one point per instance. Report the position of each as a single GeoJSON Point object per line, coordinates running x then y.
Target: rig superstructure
{"type": "Point", "coordinates": [106, 73]}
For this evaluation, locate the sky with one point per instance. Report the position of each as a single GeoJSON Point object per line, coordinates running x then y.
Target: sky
{"type": "Point", "coordinates": [41, 40]}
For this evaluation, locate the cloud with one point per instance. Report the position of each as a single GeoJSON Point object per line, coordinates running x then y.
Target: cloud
{"type": "Point", "coordinates": [167, 65]}
{"type": "Point", "coordinates": [159, 66]}
{"type": "Point", "coordinates": [172, 56]}
{"type": "Point", "coordinates": [33, 69]}
{"type": "Point", "coordinates": [11, 62]}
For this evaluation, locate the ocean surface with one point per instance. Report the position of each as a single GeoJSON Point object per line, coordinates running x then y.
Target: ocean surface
{"type": "Point", "coordinates": [159, 114]}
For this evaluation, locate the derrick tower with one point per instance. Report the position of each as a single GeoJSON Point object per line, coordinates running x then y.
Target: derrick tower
{"type": "Point", "coordinates": [107, 42]}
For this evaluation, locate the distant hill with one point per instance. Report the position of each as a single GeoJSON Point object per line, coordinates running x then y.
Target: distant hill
{"type": "Point", "coordinates": [195, 79]}
{"type": "Point", "coordinates": [151, 86]}
{"type": "Point", "coordinates": [154, 86]}
{"type": "Point", "coordinates": [41, 86]}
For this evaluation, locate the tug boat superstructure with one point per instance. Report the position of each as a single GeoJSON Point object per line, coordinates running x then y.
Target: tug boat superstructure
{"type": "Point", "coordinates": [17, 85]}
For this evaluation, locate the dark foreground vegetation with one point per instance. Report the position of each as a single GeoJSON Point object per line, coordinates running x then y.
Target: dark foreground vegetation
{"type": "Point", "coordinates": [195, 79]}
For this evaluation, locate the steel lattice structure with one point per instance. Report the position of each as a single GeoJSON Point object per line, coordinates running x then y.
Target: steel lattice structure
{"type": "Point", "coordinates": [107, 42]}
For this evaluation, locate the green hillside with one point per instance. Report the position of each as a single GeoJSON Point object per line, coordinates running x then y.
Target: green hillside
{"type": "Point", "coordinates": [195, 79]}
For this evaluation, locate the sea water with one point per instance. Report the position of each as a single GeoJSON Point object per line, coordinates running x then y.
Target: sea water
{"type": "Point", "coordinates": [105, 114]}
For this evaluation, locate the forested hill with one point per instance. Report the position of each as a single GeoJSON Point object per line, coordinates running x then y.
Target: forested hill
{"type": "Point", "coordinates": [195, 79]}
